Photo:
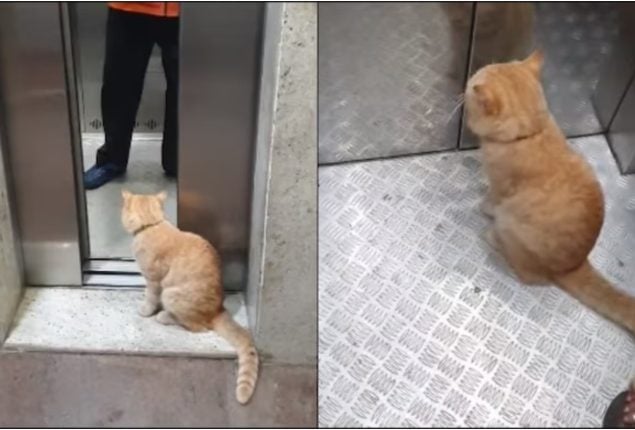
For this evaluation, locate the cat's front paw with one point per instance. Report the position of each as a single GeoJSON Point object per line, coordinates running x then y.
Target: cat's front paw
{"type": "Point", "coordinates": [492, 239]}
{"type": "Point", "coordinates": [164, 317]}
{"type": "Point", "coordinates": [147, 309]}
{"type": "Point", "coordinates": [487, 207]}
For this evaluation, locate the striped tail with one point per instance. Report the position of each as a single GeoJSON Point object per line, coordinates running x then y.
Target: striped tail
{"type": "Point", "coordinates": [240, 339]}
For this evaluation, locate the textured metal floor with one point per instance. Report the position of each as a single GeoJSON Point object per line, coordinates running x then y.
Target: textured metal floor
{"type": "Point", "coordinates": [422, 325]}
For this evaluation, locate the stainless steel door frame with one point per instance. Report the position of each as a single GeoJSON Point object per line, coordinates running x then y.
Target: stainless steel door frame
{"type": "Point", "coordinates": [74, 102]}
{"type": "Point", "coordinates": [614, 97]}
{"type": "Point", "coordinates": [621, 135]}
{"type": "Point", "coordinates": [220, 49]}
{"type": "Point", "coordinates": [36, 107]}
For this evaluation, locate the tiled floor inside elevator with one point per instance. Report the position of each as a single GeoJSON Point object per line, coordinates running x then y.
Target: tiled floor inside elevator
{"type": "Point", "coordinates": [421, 324]}
{"type": "Point", "coordinates": [108, 239]}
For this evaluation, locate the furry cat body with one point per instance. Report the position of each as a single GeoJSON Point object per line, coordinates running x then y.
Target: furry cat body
{"type": "Point", "coordinates": [184, 283]}
{"type": "Point", "coordinates": [545, 201]}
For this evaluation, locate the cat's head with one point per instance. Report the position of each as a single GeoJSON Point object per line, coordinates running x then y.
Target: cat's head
{"type": "Point", "coordinates": [140, 210]}
{"type": "Point", "coordinates": [505, 101]}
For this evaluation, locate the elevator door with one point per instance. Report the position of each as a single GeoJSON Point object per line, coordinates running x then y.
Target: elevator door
{"type": "Point", "coordinates": [42, 95]}
{"type": "Point", "coordinates": [36, 114]}
{"type": "Point", "coordinates": [219, 75]}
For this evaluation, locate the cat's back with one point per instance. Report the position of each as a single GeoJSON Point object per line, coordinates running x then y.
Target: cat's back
{"type": "Point", "coordinates": [546, 157]}
{"type": "Point", "coordinates": [548, 172]}
{"type": "Point", "coordinates": [192, 246]}
{"type": "Point", "coordinates": [168, 245]}
{"type": "Point", "coordinates": [558, 189]}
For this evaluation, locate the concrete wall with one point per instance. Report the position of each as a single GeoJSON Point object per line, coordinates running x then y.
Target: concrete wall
{"type": "Point", "coordinates": [11, 280]}
{"type": "Point", "coordinates": [282, 289]}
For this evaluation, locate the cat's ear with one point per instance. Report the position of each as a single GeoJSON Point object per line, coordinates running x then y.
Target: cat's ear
{"type": "Point", "coordinates": [162, 196]}
{"type": "Point", "coordinates": [535, 61]}
{"type": "Point", "coordinates": [488, 102]}
{"type": "Point", "coordinates": [126, 194]}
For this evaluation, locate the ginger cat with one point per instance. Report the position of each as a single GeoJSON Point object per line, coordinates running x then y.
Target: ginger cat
{"type": "Point", "coordinates": [184, 284]}
{"type": "Point", "coordinates": [545, 200]}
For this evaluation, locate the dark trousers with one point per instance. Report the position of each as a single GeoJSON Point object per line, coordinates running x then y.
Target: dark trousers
{"type": "Point", "coordinates": [130, 38]}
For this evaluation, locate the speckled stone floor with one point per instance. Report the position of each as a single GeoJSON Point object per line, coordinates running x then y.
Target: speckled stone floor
{"type": "Point", "coordinates": [106, 321]}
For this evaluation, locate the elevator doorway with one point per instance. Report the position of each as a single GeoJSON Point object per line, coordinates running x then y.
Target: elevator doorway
{"type": "Point", "coordinates": [51, 78]}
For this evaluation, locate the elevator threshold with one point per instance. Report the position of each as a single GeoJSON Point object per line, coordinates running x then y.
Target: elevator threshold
{"type": "Point", "coordinates": [112, 273]}
{"type": "Point", "coordinates": [105, 320]}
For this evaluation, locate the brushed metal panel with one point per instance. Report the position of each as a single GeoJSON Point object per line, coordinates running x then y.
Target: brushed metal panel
{"type": "Point", "coordinates": [576, 38]}
{"type": "Point", "coordinates": [90, 37]}
{"type": "Point", "coordinates": [218, 83]}
{"type": "Point", "coordinates": [618, 70]}
{"type": "Point", "coordinates": [621, 135]}
{"type": "Point", "coordinates": [36, 108]}
{"type": "Point", "coordinates": [389, 77]}
{"type": "Point", "coordinates": [422, 324]}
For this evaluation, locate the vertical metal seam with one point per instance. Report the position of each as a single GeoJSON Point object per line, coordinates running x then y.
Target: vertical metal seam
{"type": "Point", "coordinates": [468, 67]}
{"type": "Point", "coordinates": [70, 79]}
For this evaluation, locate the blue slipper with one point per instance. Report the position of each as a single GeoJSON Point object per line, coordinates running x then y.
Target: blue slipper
{"type": "Point", "coordinates": [97, 176]}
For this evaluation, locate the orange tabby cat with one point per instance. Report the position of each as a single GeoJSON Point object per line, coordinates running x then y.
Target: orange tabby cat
{"type": "Point", "coordinates": [545, 200]}
{"type": "Point", "coordinates": [183, 276]}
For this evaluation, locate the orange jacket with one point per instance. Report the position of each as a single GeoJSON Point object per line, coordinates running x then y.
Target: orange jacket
{"type": "Point", "coordinates": [156, 8]}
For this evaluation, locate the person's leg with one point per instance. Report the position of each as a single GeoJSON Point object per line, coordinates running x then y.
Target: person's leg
{"type": "Point", "coordinates": [129, 42]}
{"type": "Point", "coordinates": [169, 42]}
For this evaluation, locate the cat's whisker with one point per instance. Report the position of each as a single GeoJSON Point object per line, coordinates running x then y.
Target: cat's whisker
{"type": "Point", "coordinates": [459, 103]}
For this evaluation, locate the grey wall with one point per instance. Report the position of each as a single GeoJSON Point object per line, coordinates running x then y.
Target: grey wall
{"type": "Point", "coordinates": [282, 286]}
{"type": "Point", "coordinates": [10, 255]}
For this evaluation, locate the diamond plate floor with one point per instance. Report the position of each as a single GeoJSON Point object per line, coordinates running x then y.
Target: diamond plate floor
{"type": "Point", "coordinates": [422, 325]}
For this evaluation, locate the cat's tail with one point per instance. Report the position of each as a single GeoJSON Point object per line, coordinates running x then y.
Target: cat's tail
{"type": "Point", "coordinates": [240, 339]}
{"type": "Point", "coordinates": [588, 286]}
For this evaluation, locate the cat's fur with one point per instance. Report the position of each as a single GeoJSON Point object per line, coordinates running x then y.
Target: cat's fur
{"type": "Point", "coordinates": [184, 284]}
{"type": "Point", "coordinates": [546, 203]}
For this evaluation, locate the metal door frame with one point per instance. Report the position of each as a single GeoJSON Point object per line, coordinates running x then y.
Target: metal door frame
{"type": "Point", "coordinates": [72, 83]}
